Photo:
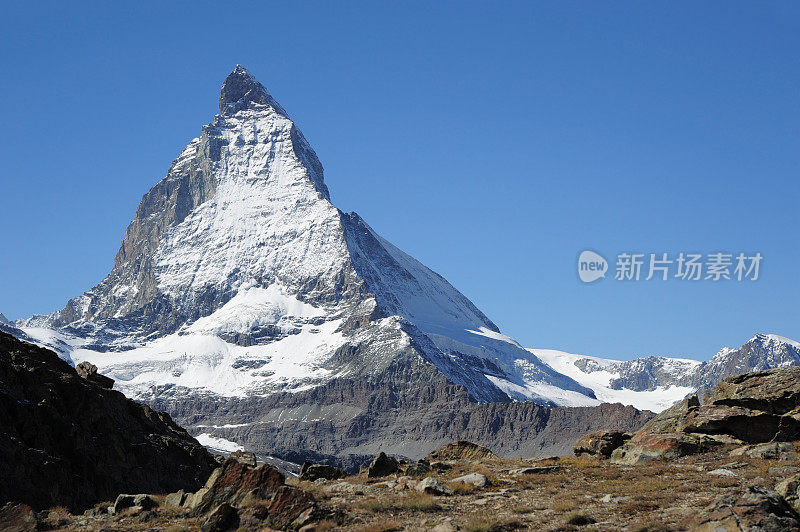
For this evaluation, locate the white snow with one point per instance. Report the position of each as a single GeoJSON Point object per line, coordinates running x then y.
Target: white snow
{"type": "Point", "coordinates": [218, 444]}
{"type": "Point", "coordinates": [656, 400]}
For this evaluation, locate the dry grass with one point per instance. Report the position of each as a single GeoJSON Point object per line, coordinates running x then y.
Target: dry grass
{"type": "Point", "coordinates": [416, 502]}
{"type": "Point", "coordinates": [387, 526]}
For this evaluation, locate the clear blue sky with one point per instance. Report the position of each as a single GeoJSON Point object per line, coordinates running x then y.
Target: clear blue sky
{"type": "Point", "coordinates": [492, 141]}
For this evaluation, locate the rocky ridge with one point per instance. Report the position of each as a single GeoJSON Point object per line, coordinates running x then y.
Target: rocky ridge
{"type": "Point", "coordinates": [68, 439]}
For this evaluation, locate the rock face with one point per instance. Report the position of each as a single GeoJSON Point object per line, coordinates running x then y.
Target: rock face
{"type": "Point", "coordinates": [347, 418]}
{"type": "Point", "coordinates": [747, 409]}
{"type": "Point", "coordinates": [750, 509]}
{"type": "Point", "coordinates": [67, 440]}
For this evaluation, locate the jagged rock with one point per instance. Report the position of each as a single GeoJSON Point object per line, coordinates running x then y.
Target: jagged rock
{"type": "Point", "coordinates": [291, 506]}
{"type": "Point", "coordinates": [461, 450]}
{"type": "Point", "coordinates": [645, 446]}
{"type": "Point", "coordinates": [431, 486]}
{"type": "Point", "coordinates": [245, 457]}
{"type": "Point", "coordinates": [775, 391]}
{"type": "Point", "coordinates": [419, 468]}
{"type": "Point", "coordinates": [224, 517]}
{"type": "Point", "coordinates": [312, 472]}
{"type": "Point", "coordinates": [789, 489]}
{"type": "Point", "coordinates": [750, 509]}
{"type": "Point", "coordinates": [88, 371]}
{"type": "Point", "coordinates": [122, 502]}
{"type": "Point", "coordinates": [237, 483]}
{"type": "Point", "coordinates": [65, 441]}
{"type": "Point", "coordinates": [15, 517]}
{"type": "Point", "coordinates": [768, 451]}
{"type": "Point", "coordinates": [750, 426]}
{"type": "Point", "coordinates": [175, 500]}
{"type": "Point", "coordinates": [601, 443]}
{"type": "Point", "coordinates": [382, 466]}
{"type": "Point", "coordinates": [474, 479]}
{"type": "Point", "coordinates": [441, 466]}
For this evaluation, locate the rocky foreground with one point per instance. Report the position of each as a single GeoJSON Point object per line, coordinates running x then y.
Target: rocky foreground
{"type": "Point", "coordinates": [730, 464]}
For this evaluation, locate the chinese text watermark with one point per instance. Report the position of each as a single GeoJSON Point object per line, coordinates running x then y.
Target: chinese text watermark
{"type": "Point", "coordinates": [683, 266]}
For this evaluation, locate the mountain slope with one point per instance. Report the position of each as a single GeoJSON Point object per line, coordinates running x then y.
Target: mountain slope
{"type": "Point", "coordinates": [238, 277]}
{"type": "Point", "coordinates": [65, 440]}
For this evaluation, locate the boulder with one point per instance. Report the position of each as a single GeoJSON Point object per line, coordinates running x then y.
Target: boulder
{"type": "Point", "coordinates": [312, 472]}
{"type": "Point", "coordinates": [291, 507]}
{"type": "Point", "coordinates": [460, 450]}
{"type": "Point", "coordinates": [419, 468]}
{"type": "Point", "coordinates": [223, 518]}
{"type": "Point", "coordinates": [16, 517]}
{"type": "Point", "coordinates": [175, 500]}
{"type": "Point", "coordinates": [646, 446]}
{"type": "Point", "coordinates": [789, 489]}
{"type": "Point", "coordinates": [600, 444]}
{"type": "Point", "coordinates": [88, 371]}
{"type": "Point", "coordinates": [752, 508]}
{"type": "Point", "coordinates": [768, 451]}
{"type": "Point", "coordinates": [474, 479]}
{"type": "Point", "coordinates": [245, 457]}
{"type": "Point", "coordinates": [237, 483]}
{"type": "Point", "coordinates": [382, 466]}
{"type": "Point", "coordinates": [431, 486]}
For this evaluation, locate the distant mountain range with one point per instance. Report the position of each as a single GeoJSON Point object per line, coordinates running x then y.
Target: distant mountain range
{"type": "Point", "coordinates": [248, 306]}
{"type": "Point", "coordinates": [655, 383]}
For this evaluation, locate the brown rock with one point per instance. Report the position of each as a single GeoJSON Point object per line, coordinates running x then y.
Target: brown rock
{"type": "Point", "coordinates": [752, 508]}
{"type": "Point", "coordinates": [382, 466]}
{"type": "Point", "coordinates": [17, 518]}
{"type": "Point", "coordinates": [237, 483]}
{"type": "Point", "coordinates": [419, 468]}
{"type": "Point", "coordinates": [789, 489]}
{"type": "Point", "coordinates": [751, 426]}
{"type": "Point", "coordinates": [646, 446]}
{"type": "Point", "coordinates": [775, 391]}
{"type": "Point", "coordinates": [245, 457]}
{"type": "Point", "coordinates": [461, 450]}
{"type": "Point", "coordinates": [289, 505]}
{"type": "Point", "coordinates": [224, 517]}
{"type": "Point", "coordinates": [312, 472]}
{"type": "Point", "coordinates": [601, 443]}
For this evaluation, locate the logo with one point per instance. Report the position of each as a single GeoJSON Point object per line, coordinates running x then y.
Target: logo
{"type": "Point", "coordinates": [591, 266]}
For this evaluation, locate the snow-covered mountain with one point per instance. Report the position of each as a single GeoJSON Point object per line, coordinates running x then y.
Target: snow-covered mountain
{"type": "Point", "coordinates": [239, 278]}
{"type": "Point", "coordinates": [655, 383]}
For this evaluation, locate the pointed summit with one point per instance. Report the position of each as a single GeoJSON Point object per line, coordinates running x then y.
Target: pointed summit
{"type": "Point", "coordinates": [241, 89]}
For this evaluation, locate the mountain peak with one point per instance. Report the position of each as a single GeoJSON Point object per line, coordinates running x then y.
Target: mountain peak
{"type": "Point", "coordinates": [241, 89]}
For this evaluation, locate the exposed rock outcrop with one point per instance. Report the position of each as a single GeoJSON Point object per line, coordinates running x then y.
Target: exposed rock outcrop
{"type": "Point", "coordinates": [350, 419]}
{"type": "Point", "coordinates": [747, 409]}
{"type": "Point", "coordinates": [601, 443]}
{"type": "Point", "coordinates": [67, 440]}
{"type": "Point", "coordinates": [750, 509]}
{"type": "Point", "coordinates": [460, 450]}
